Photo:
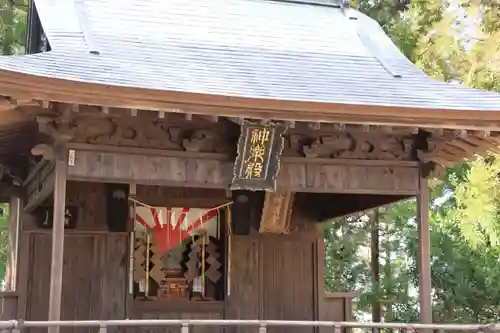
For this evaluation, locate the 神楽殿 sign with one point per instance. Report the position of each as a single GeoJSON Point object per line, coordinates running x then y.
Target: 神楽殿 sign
{"type": "Point", "coordinates": [258, 161]}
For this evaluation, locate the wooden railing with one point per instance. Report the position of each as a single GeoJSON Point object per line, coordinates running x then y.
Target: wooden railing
{"type": "Point", "coordinates": [8, 305]}
{"type": "Point", "coordinates": [260, 326]}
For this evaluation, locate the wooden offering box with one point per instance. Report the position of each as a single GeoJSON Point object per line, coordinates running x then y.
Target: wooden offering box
{"type": "Point", "coordinates": [173, 288]}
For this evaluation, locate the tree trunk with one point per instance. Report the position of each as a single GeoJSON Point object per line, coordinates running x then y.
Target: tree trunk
{"type": "Point", "coordinates": [388, 276]}
{"type": "Point", "coordinates": [375, 267]}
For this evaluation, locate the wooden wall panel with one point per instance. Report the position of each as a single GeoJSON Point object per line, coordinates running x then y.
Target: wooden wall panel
{"type": "Point", "coordinates": [25, 258]}
{"type": "Point", "coordinates": [272, 277]}
{"type": "Point", "coordinates": [91, 197]}
{"type": "Point", "coordinates": [287, 283]}
{"type": "Point", "coordinates": [8, 306]}
{"type": "Point", "coordinates": [94, 278]}
{"type": "Point", "coordinates": [244, 300]}
{"type": "Point", "coordinates": [78, 272]}
{"type": "Point", "coordinates": [113, 277]}
{"type": "Point", "coordinates": [38, 284]}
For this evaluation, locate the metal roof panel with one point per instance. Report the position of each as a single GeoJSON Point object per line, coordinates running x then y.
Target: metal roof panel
{"type": "Point", "coordinates": [242, 48]}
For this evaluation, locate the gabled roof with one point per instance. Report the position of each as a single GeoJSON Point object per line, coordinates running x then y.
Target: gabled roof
{"type": "Point", "coordinates": [279, 55]}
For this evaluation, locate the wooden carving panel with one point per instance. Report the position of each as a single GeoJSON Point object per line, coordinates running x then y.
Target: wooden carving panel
{"type": "Point", "coordinates": [352, 145]}
{"type": "Point", "coordinates": [277, 212]}
{"type": "Point", "coordinates": [154, 133]}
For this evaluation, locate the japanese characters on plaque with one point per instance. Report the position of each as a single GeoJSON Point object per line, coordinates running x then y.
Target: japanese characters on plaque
{"type": "Point", "coordinates": [258, 160]}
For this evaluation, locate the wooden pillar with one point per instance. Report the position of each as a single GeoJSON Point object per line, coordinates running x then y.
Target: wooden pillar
{"type": "Point", "coordinates": [56, 269]}
{"type": "Point", "coordinates": [424, 254]}
{"type": "Point", "coordinates": [11, 268]}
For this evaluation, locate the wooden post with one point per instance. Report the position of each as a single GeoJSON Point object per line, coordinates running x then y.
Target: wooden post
{"type": "Point", "coordinates": [11, 271]}
{"type": "Point", "coordinates": [424, 256]}
{"type": "Point", "coordinates": [56, 269]}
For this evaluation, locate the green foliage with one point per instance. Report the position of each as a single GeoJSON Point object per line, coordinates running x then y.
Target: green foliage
{"type": "Point", "coordinates": [478, 202]}
{"type": "Point", "coordinates": [13, 18]}
{"type": "Point", "coordinates": [4, 238]}
{"type": "Point", "coordinates": [343, 239]}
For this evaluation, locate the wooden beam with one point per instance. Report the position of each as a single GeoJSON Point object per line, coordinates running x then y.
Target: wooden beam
{"type": "Point", "coordinates": [424, 254]}
{"type": "Point", "coordinates": [461, 133]}
{"type": "Point", "coordinates": [387, 129]}
{"type": "Point", "coordinates": [56, 268]}
{"type": "Point", "coordinates": [240, 121]}
{"type": "Point", "coordinates": [481, 134]}
{"type": "Point", "coordinates": [315, 126]}
{"type": "Point", "coordinates": [435, 131]}
{"type": "Point", "coordinates": [442, 161]}
{"type": "Point", "coordinates": [265, 122]}
{"type": "Point", "coordinates": [277, 212]}
{"type": "Point", "coordinates": [39, 185]}
{"type": "Point", "coordinates": [6, 104]}
{"type": "Point", "coordinates": [210, 170]}
{"type": "Point", "coordinates": [467, 147]}
{"type": "Point", "coordinates": [478, 141]}
{"type": "Point", "coordinates": [212, 119]}
{"type": "Point", "coordinates": [339, 127]}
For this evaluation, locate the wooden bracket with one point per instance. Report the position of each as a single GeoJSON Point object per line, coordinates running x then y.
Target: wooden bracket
{"type": "Point", "coordinates": [60, 131]}
{"type": "Point", "coordinates": [60, 128]}
{"type": "Point", "coordinates": [277, 212]}
{"type": "Point", "coordinates": [39, 185]}
{"type": "Point", "coordinates": [46, 151]}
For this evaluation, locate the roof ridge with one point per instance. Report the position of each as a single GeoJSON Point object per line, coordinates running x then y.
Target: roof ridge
{"type": "Point", "coordinates": [365, 36]}
{"type": "Point", "coordinates": [329, 3]}
{"type": "Point", "coordinates": [85, 26]}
